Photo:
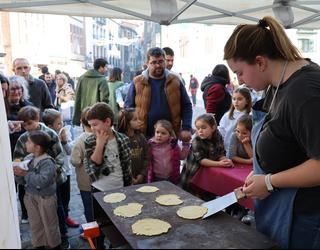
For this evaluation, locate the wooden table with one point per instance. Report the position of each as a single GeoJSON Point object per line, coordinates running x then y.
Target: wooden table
{"type": "Point", "coordinates": [218, 231]}
{"type": "Point", "coordinates": [221, 181]}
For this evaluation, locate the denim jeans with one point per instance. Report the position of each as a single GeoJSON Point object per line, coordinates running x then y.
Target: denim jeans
{"type": "Point", "coordinates": [194, 99]}
{"type": "Point", "coordinates": [87, 205]}
{"type": "Point", "coordinates": [305, 231]}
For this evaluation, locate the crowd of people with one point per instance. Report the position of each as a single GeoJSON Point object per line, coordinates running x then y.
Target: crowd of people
{"type": "Point", "coordinates": [142, 132]}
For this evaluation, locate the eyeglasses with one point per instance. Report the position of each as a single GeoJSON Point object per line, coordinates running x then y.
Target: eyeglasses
{"type": "Point", "coordinates": [24, 67]}
{"type": "Point", "coordinates": [160, 62]}
{"type": "Point", "coordinates": [14, 89]}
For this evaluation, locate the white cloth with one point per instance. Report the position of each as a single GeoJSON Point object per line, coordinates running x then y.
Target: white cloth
{"type": "Point", "coordinates": [9, 227]}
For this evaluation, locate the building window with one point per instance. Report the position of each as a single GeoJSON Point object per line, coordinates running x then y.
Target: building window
{"type": "Point", "coordinates": [306, 45]}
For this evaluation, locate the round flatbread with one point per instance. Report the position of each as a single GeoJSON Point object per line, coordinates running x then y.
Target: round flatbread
{"type": "Point", "coordinates": [192, 212]}
{"type": "Point", "coordinates": [147, 189]}
{"type": "Point", "coordinates": [150, 227]}
{"type": "Point", "coordinates": [114, 198]}
{"type": "Point", "coordinates": [169, 200]}
{"type": "Point", "coordinates": [130, 210]}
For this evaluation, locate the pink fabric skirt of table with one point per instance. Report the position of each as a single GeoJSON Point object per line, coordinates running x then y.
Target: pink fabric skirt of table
{"type": "Point", "coordinates": [221, 181]}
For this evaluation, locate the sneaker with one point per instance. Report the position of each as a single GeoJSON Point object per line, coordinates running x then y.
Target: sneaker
{"type": "Point", "coordinates": [72, 223]}
{"type": "Point", "coordinates": [24, 221]}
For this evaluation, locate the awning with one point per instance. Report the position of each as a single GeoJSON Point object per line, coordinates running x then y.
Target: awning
{"type": "Point", "coordinates": [292, 13]}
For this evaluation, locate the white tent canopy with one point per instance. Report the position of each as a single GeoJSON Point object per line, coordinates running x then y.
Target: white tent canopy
{"type": "Point", "coordinates": [292, 13]}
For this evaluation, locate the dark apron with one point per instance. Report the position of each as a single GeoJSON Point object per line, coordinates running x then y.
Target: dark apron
{"type": "Point", "coordinates": [273, 214]}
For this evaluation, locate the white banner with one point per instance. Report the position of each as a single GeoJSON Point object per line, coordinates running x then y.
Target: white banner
{"type": "Point", "coordinates": [9, 223]}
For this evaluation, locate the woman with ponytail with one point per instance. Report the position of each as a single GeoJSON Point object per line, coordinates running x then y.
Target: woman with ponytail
{"type": "Point", "coordinates": [286, 176]}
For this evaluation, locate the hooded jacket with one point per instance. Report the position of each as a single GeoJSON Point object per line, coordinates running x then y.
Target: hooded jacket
{"type": "Point", "coordinates": [216, 97]}
{"type": "Point", "coordinates": [92, 87]}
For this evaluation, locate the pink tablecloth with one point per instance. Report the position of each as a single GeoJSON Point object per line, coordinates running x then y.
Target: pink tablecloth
{"type": "Point", "coordinates": [221, 181]}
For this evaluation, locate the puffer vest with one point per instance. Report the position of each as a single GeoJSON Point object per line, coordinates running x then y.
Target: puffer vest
{"type": "Point", "coordinates": [173, 95]}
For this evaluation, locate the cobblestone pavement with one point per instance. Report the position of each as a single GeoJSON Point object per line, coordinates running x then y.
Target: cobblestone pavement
{"type": "Point", "coordinates": [76, 207]}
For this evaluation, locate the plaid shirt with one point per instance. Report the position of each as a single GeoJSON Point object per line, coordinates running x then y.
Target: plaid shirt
{"type": "Point", "coordinates": [95, 170]}
{"type": "Point", "coordinates": [212, 149]}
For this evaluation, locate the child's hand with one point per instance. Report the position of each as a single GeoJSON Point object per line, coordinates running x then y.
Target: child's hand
{"type": "Point", "coordinates": [19, 172]}
{"type": "Point", "coordinates": [137, 180]}
{"type": "Point", "coordinates": [102, 137]}
{"type": "Point", "coordinates": [227, 163]}
{"type": "Point", "coordinates": [246, 140]}
{"type": "Point", "coordinates": [63, 135]}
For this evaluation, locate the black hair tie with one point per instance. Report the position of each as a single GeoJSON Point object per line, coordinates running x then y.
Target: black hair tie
{"type": "Point", "coordinates": [263, 23]}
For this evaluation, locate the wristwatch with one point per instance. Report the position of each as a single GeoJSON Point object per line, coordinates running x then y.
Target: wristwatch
{"type": "Point", "coordinates": [270, 188]}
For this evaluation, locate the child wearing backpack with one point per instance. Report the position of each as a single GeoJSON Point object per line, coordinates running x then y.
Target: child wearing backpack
{"type": "Point", "coordinates": [130, 125]}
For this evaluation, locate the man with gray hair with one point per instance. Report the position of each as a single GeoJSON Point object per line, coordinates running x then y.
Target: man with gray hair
{"type": "Point", "coordinates": [38, 91]}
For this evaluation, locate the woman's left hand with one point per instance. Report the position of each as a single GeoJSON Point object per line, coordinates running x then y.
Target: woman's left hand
{"type": "Point", "coordinates": [256, 187]}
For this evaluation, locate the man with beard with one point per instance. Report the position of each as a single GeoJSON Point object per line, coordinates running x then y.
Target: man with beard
{"type": "Point", "coordinates": [169, 57]}
{"type": "Point", "coordinates": [159, 94]}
